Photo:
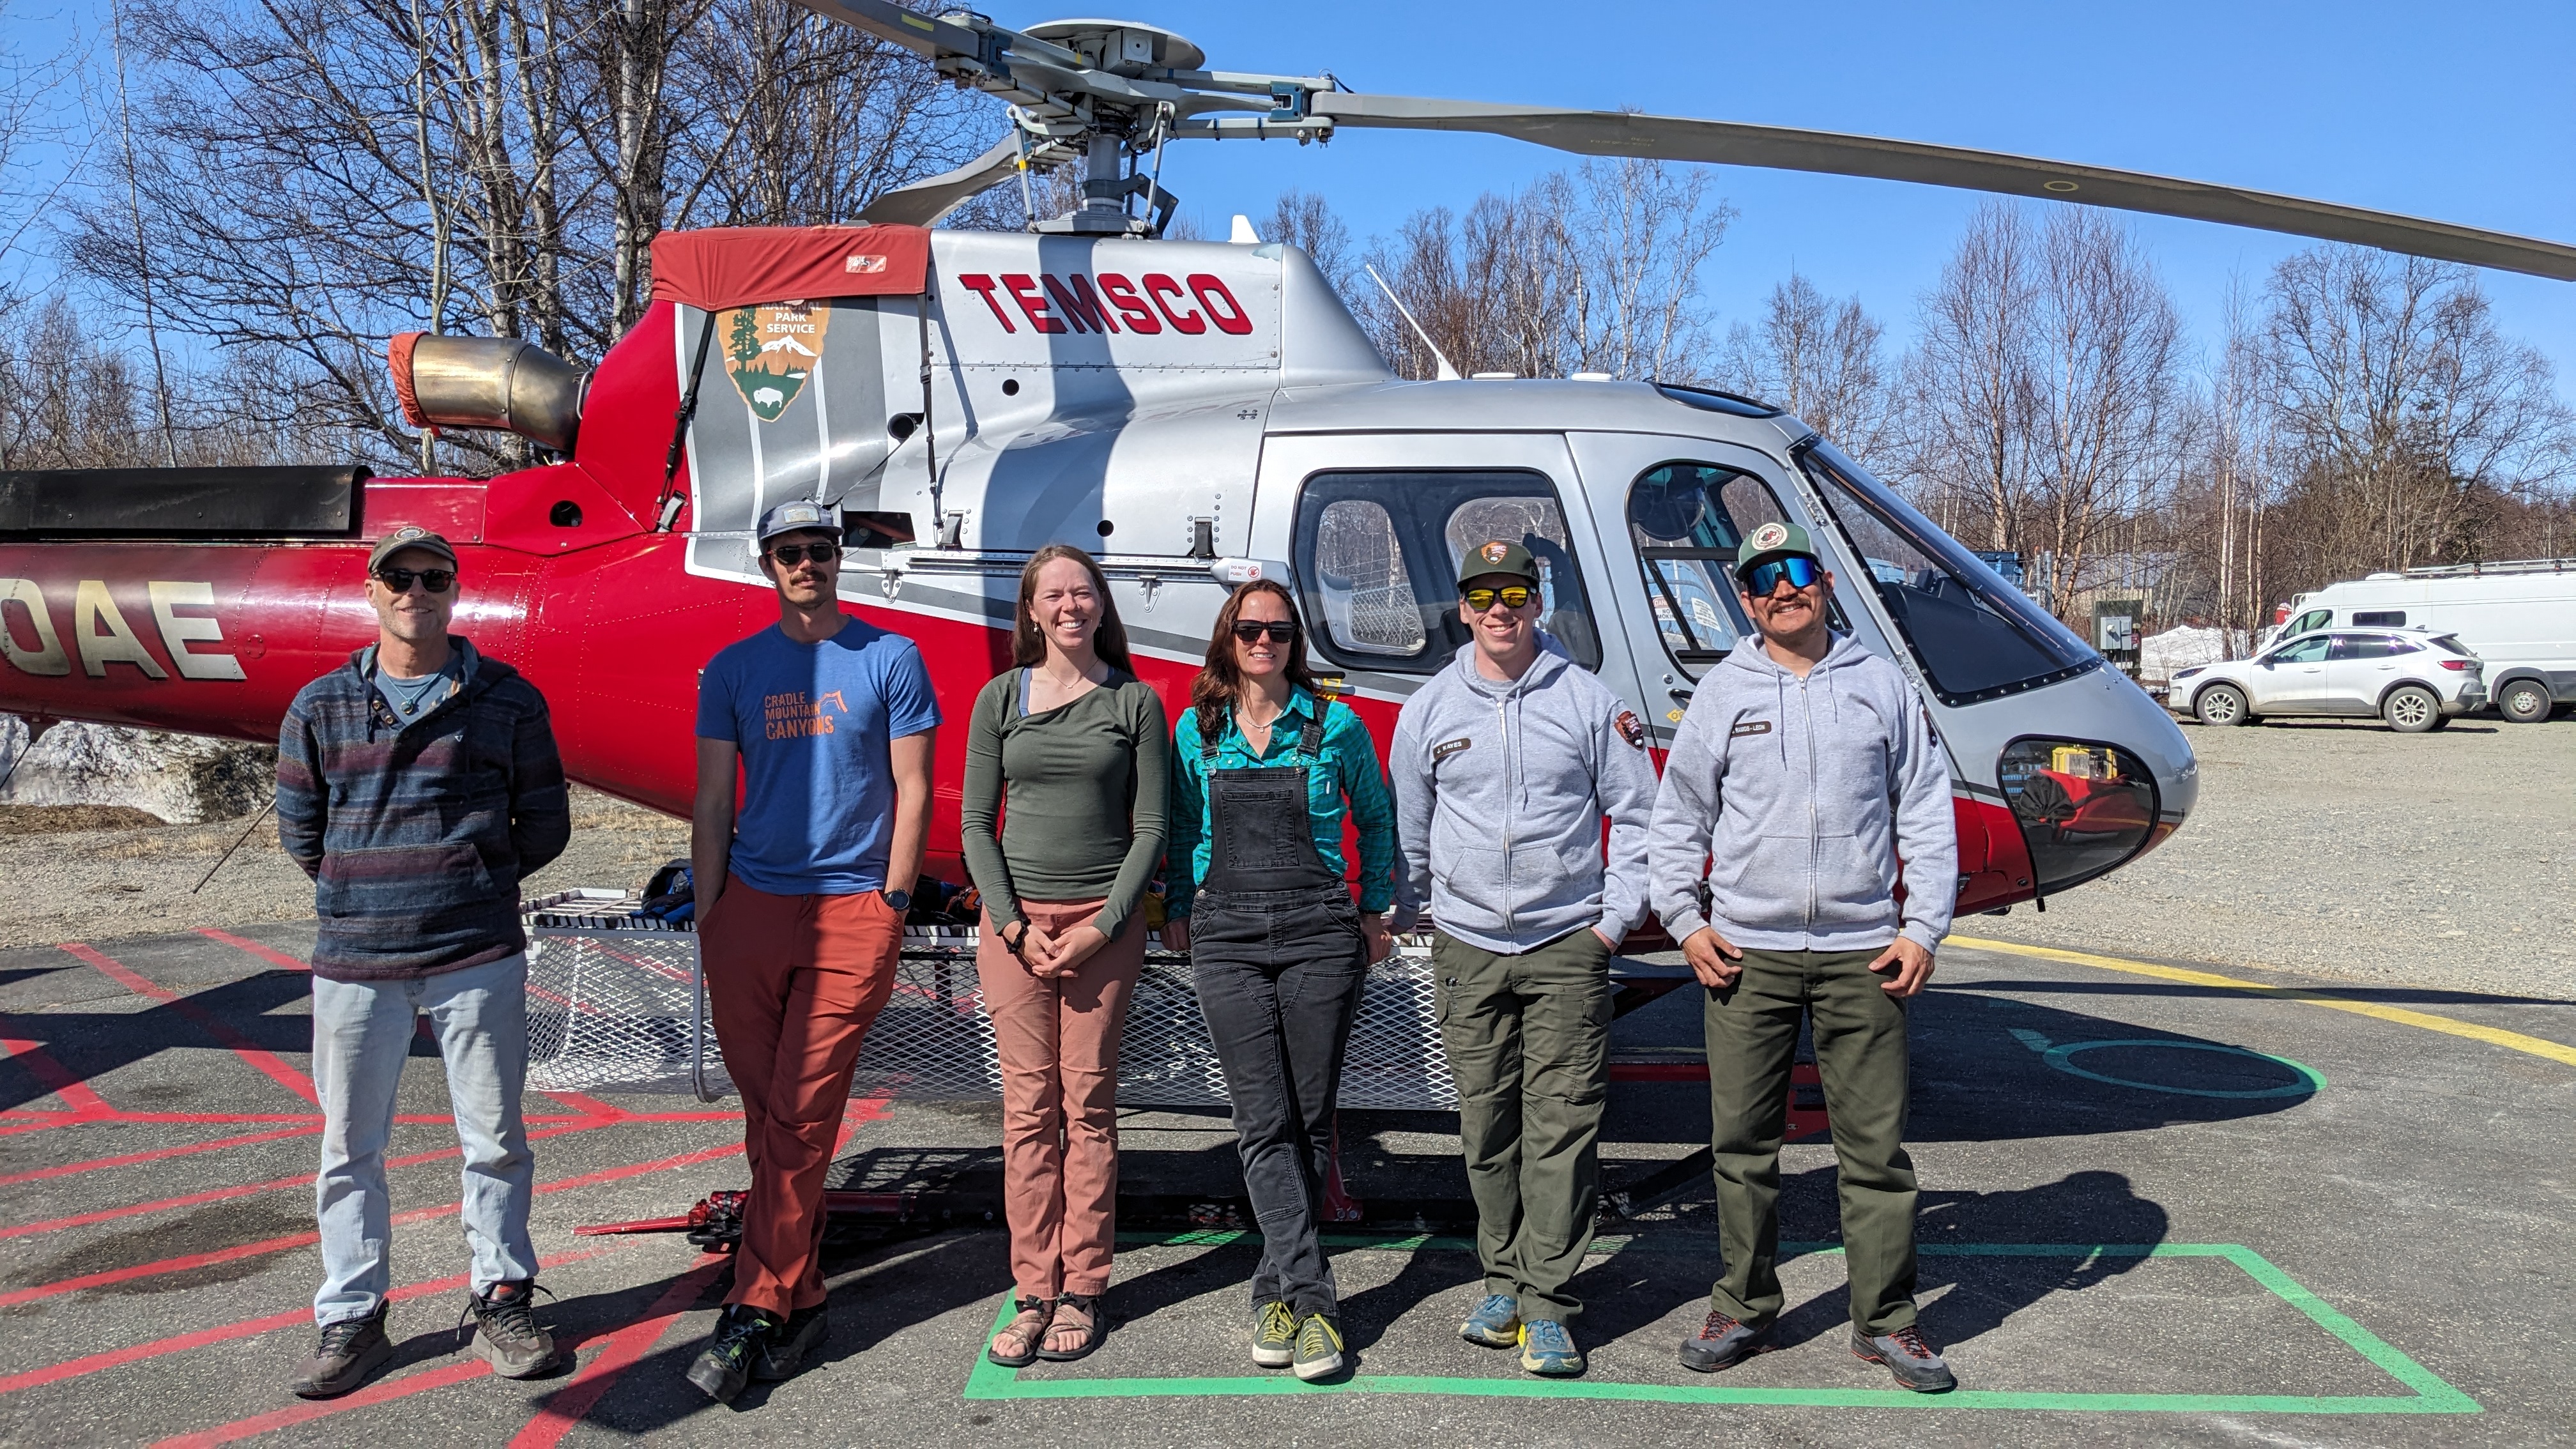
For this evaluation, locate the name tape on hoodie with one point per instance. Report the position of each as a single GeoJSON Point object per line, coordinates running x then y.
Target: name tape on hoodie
{"type": "Point", "coordinates": [1749, 727]}
{"type": "Point", "coordinates": [1443, 751]}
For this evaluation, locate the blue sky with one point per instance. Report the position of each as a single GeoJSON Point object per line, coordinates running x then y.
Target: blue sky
{"type": "Point", "coordinates": [2466, 116]}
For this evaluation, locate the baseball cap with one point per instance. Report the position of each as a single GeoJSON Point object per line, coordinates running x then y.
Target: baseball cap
{"type": "Point", "coordinates": [803, 513]}
{"type": "Point", "coordinates": [1497, 557]}
{"type": "Point", "coordinates": [410, 535]}
{"type": "Point", "coordinates": [1770, 539]}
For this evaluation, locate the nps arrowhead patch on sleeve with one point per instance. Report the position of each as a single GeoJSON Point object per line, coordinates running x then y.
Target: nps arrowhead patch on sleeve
{"type": "Point", "coordinates": [1630, 729]}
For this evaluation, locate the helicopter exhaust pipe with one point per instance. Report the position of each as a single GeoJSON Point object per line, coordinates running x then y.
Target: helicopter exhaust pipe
{"type": "Point", "coordinates": [487, 382]}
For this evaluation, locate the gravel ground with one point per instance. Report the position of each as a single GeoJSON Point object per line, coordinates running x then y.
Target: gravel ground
{"type": "Point", "coordinates": [2445, 860]}
{"type": "Point", "coordinates": [95, 885]}
{"type": "Point", "coordinates": [2344, 849]}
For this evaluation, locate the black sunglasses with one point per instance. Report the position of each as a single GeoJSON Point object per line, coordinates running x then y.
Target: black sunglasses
{"type": "Point", "coordinates": [1798, 569]}
{"type": "Point", "coordinates": [1249, 631]}
{"type": "Point", "coordinates": [792, 554]}
{"type": "Point", "coordinates": [1513, 597]}
{"type": "Point", "coordinates": [437, 581]}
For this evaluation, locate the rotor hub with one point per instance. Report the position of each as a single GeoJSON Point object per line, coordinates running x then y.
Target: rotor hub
{"type": "Point", "coordinates": [1122, 47]}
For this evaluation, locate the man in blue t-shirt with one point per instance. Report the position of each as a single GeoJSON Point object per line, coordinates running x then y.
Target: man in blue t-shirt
{"type": "Point", "coordinates": [801, 898]}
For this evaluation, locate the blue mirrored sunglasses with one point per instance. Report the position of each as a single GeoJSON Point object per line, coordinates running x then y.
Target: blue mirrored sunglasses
{"type": "Point", "coordinates": [1798, 569]}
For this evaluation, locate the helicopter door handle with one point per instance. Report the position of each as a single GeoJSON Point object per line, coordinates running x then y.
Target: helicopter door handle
{"type": "Point", "coordinates": [1680, 696]}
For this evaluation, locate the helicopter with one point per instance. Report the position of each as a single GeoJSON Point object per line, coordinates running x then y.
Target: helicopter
{"type": "Point", "coordinates": [1198, 414]}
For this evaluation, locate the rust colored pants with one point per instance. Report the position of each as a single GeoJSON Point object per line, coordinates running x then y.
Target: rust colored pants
{"type": "Point", "coordinates": [1057, 1037]}
{"type": "Point", "coordinates": [795, 982]}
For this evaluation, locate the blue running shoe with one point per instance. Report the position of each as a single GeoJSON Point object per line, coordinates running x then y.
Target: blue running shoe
{"type": "Point", "coordinates": [1548, 1350]}
{"type": "Point", "coordinates": [1496, 1323]}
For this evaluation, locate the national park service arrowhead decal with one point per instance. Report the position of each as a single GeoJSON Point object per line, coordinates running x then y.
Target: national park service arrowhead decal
{"type": "Point", "coordinates": [771, 353]}
{"type": "Point", "coordinates": [1769, 536]}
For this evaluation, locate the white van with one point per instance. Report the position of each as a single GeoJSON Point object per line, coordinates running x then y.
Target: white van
{"type": "Point", "coordinates": [2520, 618]}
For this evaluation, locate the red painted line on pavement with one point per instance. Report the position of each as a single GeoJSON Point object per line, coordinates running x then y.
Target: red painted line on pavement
{"type": "Point", "coordinates": [297, 1240]}
{"type": "Point", "coordinates": [591, 1106]}
{"type": "Point", "coordinates": [381, 1391]}
{"type": "Point", "coordinates": [573, 1402]}
{"type": "Point", "coordinates": [156, 1154]}
{"type": "Point", "coordinates": [49, 1074]}
{"type": "Point", "coordinates": [242, 1046]}
{"type": "Point", "coordinates": [247, 1328]}
{"type": "Point", "coordinates": [269, 954]}
{"type": "Point", "coordinates": [245, 1189]}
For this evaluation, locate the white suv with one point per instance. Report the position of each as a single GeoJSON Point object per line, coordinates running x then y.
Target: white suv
{"type": "Point", "coordinates": [2414, 680]}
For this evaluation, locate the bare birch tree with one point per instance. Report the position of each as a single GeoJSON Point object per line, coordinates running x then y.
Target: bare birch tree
{"type": "Point", "coordinates": [1821, 360]}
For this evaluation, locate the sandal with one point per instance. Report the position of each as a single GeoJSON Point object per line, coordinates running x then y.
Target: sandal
{"type": "Point", "coordinates": [1026, 1328]}
{"type": "Point", "coordinates": [1088, 1305]}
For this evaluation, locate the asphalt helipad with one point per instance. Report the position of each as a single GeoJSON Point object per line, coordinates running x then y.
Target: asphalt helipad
{"type": "Point", "coordinates": [2161, 1200]}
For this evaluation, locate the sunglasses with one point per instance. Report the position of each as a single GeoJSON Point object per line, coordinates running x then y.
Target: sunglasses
{"type": "Point", "coordinates": [789, 555]}
{"type": "Point", "coordinates": [1249, 631]}
{"type": "Point", "coordinates": [1798, 569]}
{"type": "Point", "coordinates": [1514, 597]}
{"type": "Point", "coordinates": [436, 581]}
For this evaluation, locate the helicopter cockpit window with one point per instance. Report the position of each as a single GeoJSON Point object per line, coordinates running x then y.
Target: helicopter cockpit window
{"type": "Point", "coordinates": [1975, 636]}
{"type": "Point", "coordinates": [1686, 520]}
{"type": "Point", "coordinates": [1377, 555]}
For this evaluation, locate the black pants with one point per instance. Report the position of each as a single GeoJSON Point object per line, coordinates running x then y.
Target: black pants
{"type": "Point", "coordinates": [1279, 976]}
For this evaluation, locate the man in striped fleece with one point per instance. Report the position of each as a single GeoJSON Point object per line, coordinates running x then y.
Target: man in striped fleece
{"type": "Point", "coordinates": [417, 784]}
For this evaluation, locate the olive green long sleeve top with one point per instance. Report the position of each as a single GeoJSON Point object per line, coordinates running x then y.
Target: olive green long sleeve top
{"type": "Point", "coordinates": [1065, 804]}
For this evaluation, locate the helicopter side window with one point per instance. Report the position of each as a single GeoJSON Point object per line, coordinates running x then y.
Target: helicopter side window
{"type": "Point", "coordinates": [1686, 520]}
{"type": "Point", "coordinates": [1378, 553]}
{"type": "Point", "coordinates": [1975, 636]}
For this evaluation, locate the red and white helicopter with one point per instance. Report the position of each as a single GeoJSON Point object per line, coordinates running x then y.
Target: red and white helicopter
{"type": "Point", "coordinates": [1198, 414]}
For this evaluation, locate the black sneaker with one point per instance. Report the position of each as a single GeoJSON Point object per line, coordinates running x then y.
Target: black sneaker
{"type": "Point", "coordinates": [722, 1370]}
{"type": "Point", "coordinates": [1916, 1364]}
{"type": "Point", "coordinates": [1723, 1342]}
{"type": "Point", "coordinates": [784, 1355]}
{"type": "Point", "coordinates": [506, 1331]}
{"type": "Point", "coordinates": [348, 1355]}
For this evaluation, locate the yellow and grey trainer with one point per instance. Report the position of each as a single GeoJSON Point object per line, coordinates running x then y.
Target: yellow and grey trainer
{"type": "Point", "coordinates": [1274, 1335]}
{"type": "Point", "coordinates": [1548, 1350]}
{"type": "Point", "coordinates": [1319, 1348]}
{"type": "Point", "coordinates": [1496, 1323]}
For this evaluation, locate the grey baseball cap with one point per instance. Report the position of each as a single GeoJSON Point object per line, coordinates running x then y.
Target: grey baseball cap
{"type": "Point", "coordinates": [796, 517]}
{"type": "Point", "coordinates": [410, 535]}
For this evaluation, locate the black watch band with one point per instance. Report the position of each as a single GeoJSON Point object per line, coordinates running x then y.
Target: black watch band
{"type": "Point", "coordinates": [900, 900]}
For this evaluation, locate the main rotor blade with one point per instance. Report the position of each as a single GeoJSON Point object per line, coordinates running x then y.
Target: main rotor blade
{"type": "Point", "coordinates": [930, 39]}
{"type": "Point", "coordinates": [1673, 138]}
{"type": "Point", "coordinates": [924, 202]}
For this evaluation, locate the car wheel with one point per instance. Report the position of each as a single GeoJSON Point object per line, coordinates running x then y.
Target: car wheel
{"type": "Point", "coordinates": [2524, 702]}
{"type": "Point", "coordinates": [2222, 704]}
{"type": "Point", "coordinates": [2411, 709]}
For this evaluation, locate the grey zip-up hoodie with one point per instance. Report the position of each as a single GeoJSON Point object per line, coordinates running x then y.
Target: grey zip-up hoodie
{"type": "Point", "coordinates": [1500, 790]}
{"type": "Point", "coordinates": [1797, 799]}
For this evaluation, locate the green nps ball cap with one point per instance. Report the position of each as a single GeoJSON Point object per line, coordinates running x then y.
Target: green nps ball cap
{"type": "Point", "coordinates": [1770, 539]}
{"type": "Point", "coordinates": [410, 535]}
{"type": "Point", "coordinates": [1498, 557]}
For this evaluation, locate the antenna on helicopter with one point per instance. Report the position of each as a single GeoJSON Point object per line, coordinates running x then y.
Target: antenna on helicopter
{"type": "Point", "coordinates": [1447, 373]}
{"type": "Point", "coordinates": [1104, 89]}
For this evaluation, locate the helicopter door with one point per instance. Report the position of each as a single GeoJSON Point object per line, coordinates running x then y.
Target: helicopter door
{"type": "Point", "coordinates": [1378, 527]}
{"type": "Point", "coordinates": [1677, 509]}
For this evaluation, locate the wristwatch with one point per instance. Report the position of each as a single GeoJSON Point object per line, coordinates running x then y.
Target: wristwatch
{"type": "Point", "coordinates": [900, 900]}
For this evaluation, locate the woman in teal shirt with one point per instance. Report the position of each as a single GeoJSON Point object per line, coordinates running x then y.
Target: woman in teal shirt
{"type": "Point", "coordinates": [1265, 772]}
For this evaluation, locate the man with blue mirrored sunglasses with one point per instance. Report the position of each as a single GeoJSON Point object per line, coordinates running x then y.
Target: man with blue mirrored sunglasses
{"type": "Point", "coordinates": [1804, 854]}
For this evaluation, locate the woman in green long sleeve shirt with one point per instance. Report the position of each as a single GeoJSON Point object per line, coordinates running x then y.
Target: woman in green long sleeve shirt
{"type": "Point", "coordinates": [1066, 756]}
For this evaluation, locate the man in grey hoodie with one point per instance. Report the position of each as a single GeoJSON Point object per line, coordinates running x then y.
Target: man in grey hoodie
{"type": "Point", "coordinates": [1505, 765]}
{"type": "Point", "coordinates": [1804, 790]}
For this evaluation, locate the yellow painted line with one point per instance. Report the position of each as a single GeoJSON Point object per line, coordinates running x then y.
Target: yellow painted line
{"type": "Point", "coordinates": [2492, 1036]}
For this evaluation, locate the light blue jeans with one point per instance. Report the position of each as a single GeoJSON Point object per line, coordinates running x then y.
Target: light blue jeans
{"type": "Point", "coordinates": [362, 1033]}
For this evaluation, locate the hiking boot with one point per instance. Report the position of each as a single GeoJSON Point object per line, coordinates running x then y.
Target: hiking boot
{"type": "Point", "coordinates": [1916, 1364]}
{"type": "Point", "coordinates": [783, 1356]}
{"type": "Point", "coordinates": [1274, 1336]}
{"type": "Point", "coordinates": [1319, 1348]}
{"type": "Point", "coordinates": [1496, 1323]}
{"type": "Point", "coordinates": [1722, 1342]}
{"type": "Point", "coordinates": [506, 1331]}
{"type": "Point", "coordinates": [725, 1367]}
{"type": "Point", "coordinates": [348, 1355]}
{"type": "Point", "coordinates": [1548, 1350]}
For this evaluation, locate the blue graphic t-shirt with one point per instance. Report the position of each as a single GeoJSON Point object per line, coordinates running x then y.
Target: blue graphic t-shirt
{"type": "Point", "coordinates": [813, 722]}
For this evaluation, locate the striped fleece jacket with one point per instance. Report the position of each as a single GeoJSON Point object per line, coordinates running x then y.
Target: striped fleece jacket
{"type": "Point", "coordinates": [417, 837]}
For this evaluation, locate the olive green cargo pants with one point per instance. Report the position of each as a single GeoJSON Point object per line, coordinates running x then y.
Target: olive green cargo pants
{"type": "Point", "coordinates": [1528, 1039]}
{"type": "Point", "coordinates": [1752, 1031]}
